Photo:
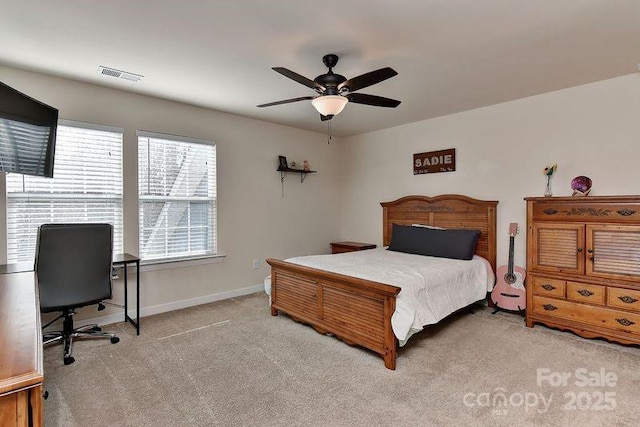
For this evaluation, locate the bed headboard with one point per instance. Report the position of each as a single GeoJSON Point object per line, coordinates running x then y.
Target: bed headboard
{"type": "Point", "coordinates": [448, 211]}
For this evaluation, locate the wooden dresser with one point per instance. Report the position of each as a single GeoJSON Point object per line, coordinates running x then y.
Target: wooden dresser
{"type": "Point", "coordinates": [583, 264]}
{"type": "Point", "coordinates": [20, 351]}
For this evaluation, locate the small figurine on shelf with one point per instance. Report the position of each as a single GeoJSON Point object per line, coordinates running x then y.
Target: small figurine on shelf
{"type": "Point", "coordinates": [548, 172]}
{"type": "Point", "coordinates": [305, 166]}
{"type": "Point", "coordinates": [282, 163]}
{"type": "Point", "coordinates": [293, 164]}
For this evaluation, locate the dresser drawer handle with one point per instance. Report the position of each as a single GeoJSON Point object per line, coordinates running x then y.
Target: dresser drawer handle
{"type": "Point", "coordinates": [626, 212]}
{"type": "Point", "coordinates": [548, 287]}
{"type": "Point", "coordinates": [628, 299]}
{"type": "Point", "coordinates": [550, 307]}
{"type": "Point", "coordinates": [625, 322]}
{"type": "Point", "coordinates": [585, 293]}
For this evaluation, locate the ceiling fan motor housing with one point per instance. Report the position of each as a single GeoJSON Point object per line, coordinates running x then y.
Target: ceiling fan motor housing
{"type": "Point", "coordinates": [330, 80]}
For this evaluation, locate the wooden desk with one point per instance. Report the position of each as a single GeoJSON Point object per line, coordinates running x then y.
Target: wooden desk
{"type": "Point", "coordinates": [20, 351]}
{"type": "Point", "coordinates": [119, 260]}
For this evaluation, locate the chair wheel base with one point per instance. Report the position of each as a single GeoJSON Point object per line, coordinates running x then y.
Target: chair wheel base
{"type": "Point", "coordinates": [96, 329]}
{"type": "Point", "coordinates": [69, 360]}
{"type": "Point", "coordinates": [115, 340]}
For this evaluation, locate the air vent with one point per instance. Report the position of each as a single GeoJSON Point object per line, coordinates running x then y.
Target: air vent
{"type": "Point", "coordinates": [124, 75]}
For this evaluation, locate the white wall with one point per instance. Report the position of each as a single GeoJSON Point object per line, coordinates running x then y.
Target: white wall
{"type": "Point", "coordinates": [254, 221]}
{"type": "Point", "coordinates": [501, 150]}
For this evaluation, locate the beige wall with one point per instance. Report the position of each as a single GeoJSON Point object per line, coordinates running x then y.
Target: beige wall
{"type": "Point", "coordinates": [501, 150]}
{"type": "Point", "coordinates": [254, 221]}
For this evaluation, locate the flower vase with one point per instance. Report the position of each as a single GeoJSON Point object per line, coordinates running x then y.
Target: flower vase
{"type": "Point", "coordinates": [547, 189]}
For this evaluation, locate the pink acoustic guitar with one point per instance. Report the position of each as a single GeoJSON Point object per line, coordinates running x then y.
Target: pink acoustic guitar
{"type": "Point", "coordinates": [509, 292]}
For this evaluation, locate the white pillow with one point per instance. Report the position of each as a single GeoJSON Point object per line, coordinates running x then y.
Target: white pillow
{"type": "Point", "coordinates": [428, 226]}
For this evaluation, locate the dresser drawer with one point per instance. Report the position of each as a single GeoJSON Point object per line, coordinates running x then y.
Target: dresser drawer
{"type": "Point", "coordinates": [590, 315]}
{"type": "Point", "coordinates": [549, 287]}
{"type": "Point", "coordinates": [587, 211]}
{"type": "Point", "coordinates": [582, 292]}
{"type": "Point", "coordinates": [624, 298]}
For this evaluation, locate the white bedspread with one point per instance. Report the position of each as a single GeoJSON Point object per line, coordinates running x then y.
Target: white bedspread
{"type": "Point", "coordinates": [432, 288]}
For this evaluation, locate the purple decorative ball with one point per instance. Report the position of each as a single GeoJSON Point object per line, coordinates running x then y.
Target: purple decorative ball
{"type": "Point", "coordinates": [581, 184]}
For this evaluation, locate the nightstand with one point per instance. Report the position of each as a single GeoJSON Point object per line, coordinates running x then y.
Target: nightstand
{"type": "Point", "coordinates": [340, 247]}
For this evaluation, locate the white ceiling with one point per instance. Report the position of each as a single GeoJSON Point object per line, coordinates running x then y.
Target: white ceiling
{"type": "Point", "coordinates": [451, 55]}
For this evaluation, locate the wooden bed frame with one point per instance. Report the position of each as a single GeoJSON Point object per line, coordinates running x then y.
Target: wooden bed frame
{"type": "Point", "coordinates": [359, 311]}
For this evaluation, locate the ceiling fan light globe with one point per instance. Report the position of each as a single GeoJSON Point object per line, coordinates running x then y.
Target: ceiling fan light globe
{"type": "Point", "coordinates": [329, 105]}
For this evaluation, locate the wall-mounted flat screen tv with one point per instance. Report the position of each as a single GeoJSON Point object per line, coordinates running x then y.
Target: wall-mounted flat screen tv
{"type": "Point", "coordinates": [27, 134]}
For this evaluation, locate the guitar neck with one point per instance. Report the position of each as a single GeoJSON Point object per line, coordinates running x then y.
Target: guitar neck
{"type": "Point", "coordinates": [511, 239]}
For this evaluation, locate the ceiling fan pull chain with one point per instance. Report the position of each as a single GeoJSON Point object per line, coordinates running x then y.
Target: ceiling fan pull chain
{"type": "Point", "coordinates": [329, 132]}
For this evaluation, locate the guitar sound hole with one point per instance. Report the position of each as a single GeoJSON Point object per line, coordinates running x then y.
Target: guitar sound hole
{"type": "Point", "coordinates": [510, 278]}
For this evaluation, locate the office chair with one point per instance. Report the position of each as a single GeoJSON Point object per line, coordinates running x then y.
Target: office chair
{"type": "Point", "coordinates": [73, 268]}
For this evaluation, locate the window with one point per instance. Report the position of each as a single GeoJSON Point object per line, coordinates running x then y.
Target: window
{"type": "Point", "coordinates": [177, 196]}
{"type": "Point", "coordinates": [86, 187]}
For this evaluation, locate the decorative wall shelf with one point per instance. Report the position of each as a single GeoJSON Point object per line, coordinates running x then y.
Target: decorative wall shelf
{"type": "Point", "coordinates": [303, 173]}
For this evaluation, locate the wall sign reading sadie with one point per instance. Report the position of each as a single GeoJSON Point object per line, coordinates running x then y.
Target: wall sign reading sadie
{"type": "Point", "coordinates": [434, 161]}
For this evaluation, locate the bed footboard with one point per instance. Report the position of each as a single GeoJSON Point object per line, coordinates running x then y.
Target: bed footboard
{"type": "Point", "coordinates": [355, 310]}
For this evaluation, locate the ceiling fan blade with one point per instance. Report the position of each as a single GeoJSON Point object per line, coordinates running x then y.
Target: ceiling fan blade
{"type": "Point", "coordinates": [378, 101]}
{"type": "Point", "coordinates": [368, 79]}
{"type": "Point", "coordinates": [300, 79]}
{"type": "Point", "coordinates": [286, 101]}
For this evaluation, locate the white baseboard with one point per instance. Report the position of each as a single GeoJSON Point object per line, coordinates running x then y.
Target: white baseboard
{"type": "Point", "coordinates": [173, 305]}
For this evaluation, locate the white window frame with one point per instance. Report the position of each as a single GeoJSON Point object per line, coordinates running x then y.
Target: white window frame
{"type": "Point", "coordinates": [143, 195]}
{"type": "Point", "coordinates": [13, 197]}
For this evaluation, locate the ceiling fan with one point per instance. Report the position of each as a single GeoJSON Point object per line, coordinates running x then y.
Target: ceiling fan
{"type": "Point", "coordinates": [335, 91]}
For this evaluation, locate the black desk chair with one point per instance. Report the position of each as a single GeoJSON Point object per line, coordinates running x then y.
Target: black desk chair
{"type": "Point", "coordinates": [73, 266]}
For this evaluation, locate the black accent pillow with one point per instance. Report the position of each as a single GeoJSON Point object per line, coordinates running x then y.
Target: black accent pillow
{"type": "Point", "coordinates": [449, 243]}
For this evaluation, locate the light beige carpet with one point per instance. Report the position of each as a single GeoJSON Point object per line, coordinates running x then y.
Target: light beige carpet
{"type": "Point", "coordinates": [231, 363]}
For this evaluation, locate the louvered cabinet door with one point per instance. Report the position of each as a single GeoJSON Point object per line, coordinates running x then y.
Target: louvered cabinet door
{"type": "Point", "coordinates": [558, 247]}
{"type": "Point", "coordinates": [613, 251]}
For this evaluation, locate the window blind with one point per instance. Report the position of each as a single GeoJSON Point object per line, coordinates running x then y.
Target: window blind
{"type": "Point", "coordinates": [86, 187]}
{"type": "Point", "coordinates": [177, 196]}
